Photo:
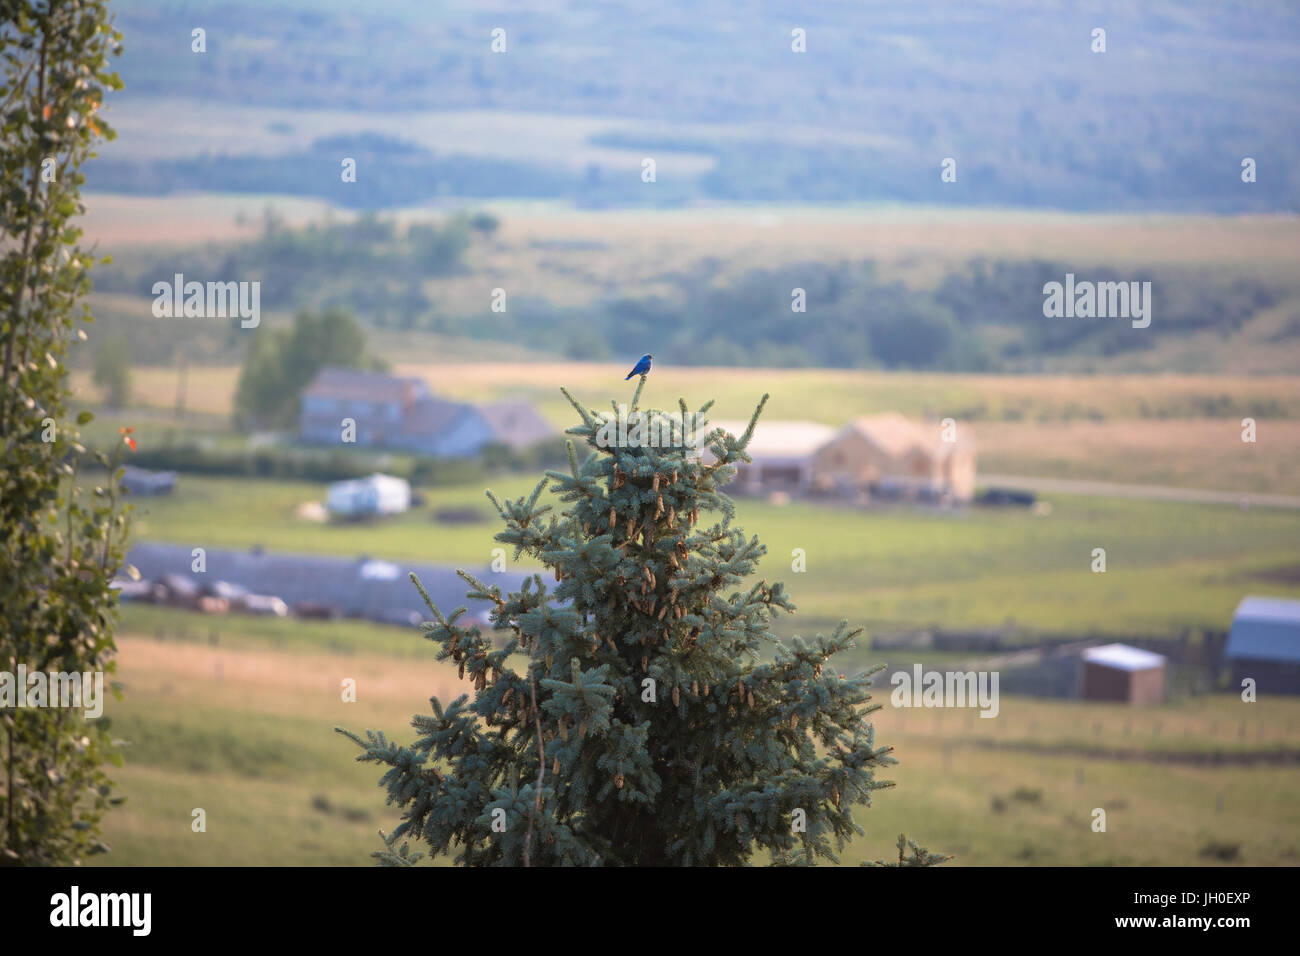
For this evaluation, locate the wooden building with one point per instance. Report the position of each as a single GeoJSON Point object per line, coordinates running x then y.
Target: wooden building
{"type": "Point", "coordinates": [890, 451]}
{"type": "Point", "coordinates": [1118, 672]}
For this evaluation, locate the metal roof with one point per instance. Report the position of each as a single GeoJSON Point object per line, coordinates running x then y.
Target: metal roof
{"type": "Point", "coordinates": [361, 587]}
{"type": "Point", "coordinates": [778, 440]}
{"type": "Point", "coordinates": [432, 416]}
{"type": "Point", "coordinates": [516, 422]}
{"type": "Point", "coordinates": [1123, 657]}
{"type": "Point", "coordinates": [1265, 628]}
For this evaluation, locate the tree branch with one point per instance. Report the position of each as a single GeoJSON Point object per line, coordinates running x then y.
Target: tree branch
{"type": "Point", "coordinates": [541, 759]}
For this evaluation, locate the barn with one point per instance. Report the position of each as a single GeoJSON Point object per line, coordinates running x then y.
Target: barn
{"type": "Point", "coordinates": [892, 452]}
{"type": "Point", "coordinates": [401, 413]}
{"type": "Point", "coordinates": [1119, 672]}
{"type": "Point", "coordinates": [782, 453]}
{"type": "Point", "coordinates": [1264, 644]}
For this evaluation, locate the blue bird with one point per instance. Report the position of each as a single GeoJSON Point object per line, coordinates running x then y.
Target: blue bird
{"type": "Point", "coordinates": [641, 368]}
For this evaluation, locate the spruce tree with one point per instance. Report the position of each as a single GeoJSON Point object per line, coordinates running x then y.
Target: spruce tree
{"type": "Point", "coordinates": [627, 713]}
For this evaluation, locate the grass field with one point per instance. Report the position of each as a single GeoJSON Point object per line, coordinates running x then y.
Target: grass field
{"type": "Point", "coordinates": [827, 395]}
{"type": "Point", "coordinates": [243, 730]}
{"type": "Point", "coordinates": [571, 258]}
{"type": "Point", "coordinates": [910, 241]}
{"type": "Point", "coordinates": [1169, 565]}
{"type": "Point", "coordinates": [235, 715]}
{"type": "Point", "coordinates": [1188, 453]}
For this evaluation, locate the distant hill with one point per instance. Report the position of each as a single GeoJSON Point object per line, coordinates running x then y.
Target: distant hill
{"type": "Point", "coordinates": [981, 315]}
{"type": "Point", "coordinates": [714, 92]}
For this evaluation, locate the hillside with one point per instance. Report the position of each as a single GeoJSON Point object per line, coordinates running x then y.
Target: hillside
{"type": "Point", "coordinates": [715, 93]}
{"type": "Point", "coordinates": [812, 288]}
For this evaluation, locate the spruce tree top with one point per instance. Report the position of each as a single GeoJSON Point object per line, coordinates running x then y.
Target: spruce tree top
{"type": "Point", "coordinates": [626, 713]}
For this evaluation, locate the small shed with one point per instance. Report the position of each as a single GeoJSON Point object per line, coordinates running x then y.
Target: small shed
{"type": "Point", "coordinates": [1264, 644]}
{"type": "Point", "coordinates": [1119, 672]}
{"type": "Point", "coordinates": [367, 497]}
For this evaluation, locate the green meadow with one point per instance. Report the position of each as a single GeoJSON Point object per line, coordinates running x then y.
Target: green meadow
{"type": "Point", "coordinates": [1169, 565]}
{"type": "Point", "coordinates": [235, 715]}
{"type": "Point", "coordinates": [243, 730]}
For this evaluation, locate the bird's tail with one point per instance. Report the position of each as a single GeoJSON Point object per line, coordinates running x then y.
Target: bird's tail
{"type": "Point", "coordinates": [629, 376]}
